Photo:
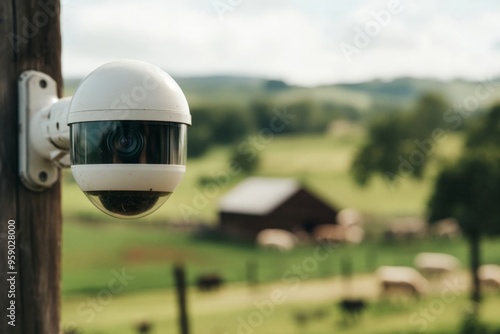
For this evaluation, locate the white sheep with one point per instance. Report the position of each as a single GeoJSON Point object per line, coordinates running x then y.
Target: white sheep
{"type": "Point", "coordinates": [436, 264]}
{"type": "Point", "coordinates": [400, 279]}
{"type": "Point", "coordinates": [352, 234]}
{"type": "Point", "coordinates": [489, 275]}
{"type": "Point", "coordinates": [446, 228]}
{"type": "Point", "coordinates": [350, 217]}
{"type": "Point", "coordinates": [276, 239]}
{"type": "Point", "coordinates": [406, 229]}
{"type": "Point", "coordinates": [329, 233]}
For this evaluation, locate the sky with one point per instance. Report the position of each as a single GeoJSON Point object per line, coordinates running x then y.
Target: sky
{"type": "Point", "coordinates": [304, 42]}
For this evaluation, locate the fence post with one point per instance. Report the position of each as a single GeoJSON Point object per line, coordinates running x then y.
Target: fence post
{"type": "Point", "coordinates": [180, 285]}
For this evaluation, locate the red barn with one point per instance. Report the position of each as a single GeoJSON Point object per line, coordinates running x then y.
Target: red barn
{"type": "Point", "coordinates": [259, 203]}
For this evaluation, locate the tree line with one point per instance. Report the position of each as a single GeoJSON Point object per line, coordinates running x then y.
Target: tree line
{"type": "Point", "coordinates": [221, 124]}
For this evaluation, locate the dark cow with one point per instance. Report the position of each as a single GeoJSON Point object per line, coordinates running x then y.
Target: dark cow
{"type": "Point", "coordinates": [209, 282]}
{"type": "Point", "coordinates": [352, 309]}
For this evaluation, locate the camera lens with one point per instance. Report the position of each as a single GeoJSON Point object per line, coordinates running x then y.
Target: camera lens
{"type": "Point", "coordinates": [126, 142]}
{"type": "Point", "coordinates": [128, 204]}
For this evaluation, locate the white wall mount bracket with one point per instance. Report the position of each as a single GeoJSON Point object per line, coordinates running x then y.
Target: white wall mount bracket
{"type": "Point", "coordinates": [43, 131]}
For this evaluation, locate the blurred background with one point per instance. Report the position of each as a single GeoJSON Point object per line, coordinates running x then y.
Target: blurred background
{"type": "Point", "coordinates": [343, 169]}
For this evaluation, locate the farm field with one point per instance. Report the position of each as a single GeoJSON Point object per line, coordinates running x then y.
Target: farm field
{"type": "Point", "coordinates": [93, 255]}
{"type": "Point", "coordinates": [91, 252]}
{"type": "Point", "coordinates": [97, 249]}
{"type": "Point", "coordinates": [238, 309]}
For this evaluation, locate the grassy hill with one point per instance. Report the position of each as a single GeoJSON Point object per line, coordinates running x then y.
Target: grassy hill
{"type": "Point", "coordinates": [364, 97]}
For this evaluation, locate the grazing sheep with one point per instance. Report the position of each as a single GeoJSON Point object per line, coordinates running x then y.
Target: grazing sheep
{"type": "Point", "coordinates": [339, 233]}
{"type": "Point", "coordinates": [276, 239]}
{"type": "Point", "coordinates": [404, 280]}
{"type": "Point", "coordinates": [209, 282]}
{"type": "Point", "coordinates": [329, 233]}
{"type": "Point", "coordinates": [354, 234]}
{"type": "Point", "coordinates": [349, 217]}
{"type": "Point", "coordinates": [405, 229]}
{"type": "Point", "coordinates": [436, 264]}
{"type": "Point", "coordinates": [446, 228]}
{"type": "Point", "coordinates": [489, 275]}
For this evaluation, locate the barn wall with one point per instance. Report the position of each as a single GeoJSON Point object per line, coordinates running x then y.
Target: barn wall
{"type": "Point", "coordinates": [301, 211]}
{"type": "Point", "coordinates": [305, 209]}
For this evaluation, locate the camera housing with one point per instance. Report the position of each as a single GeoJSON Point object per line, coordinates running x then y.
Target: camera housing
{"type": "Point", "coordinates": [125, 130]}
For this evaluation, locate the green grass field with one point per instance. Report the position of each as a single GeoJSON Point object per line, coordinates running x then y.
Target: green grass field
{"type": "Point", "coordinates": [96, 249]}
{"type": "Point", "coordinates": [93, 255]}
{"type": "Point", "coordinates": [91, 252]}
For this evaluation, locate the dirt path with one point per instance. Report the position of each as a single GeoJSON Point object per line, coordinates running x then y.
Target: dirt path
{"type": "Point", "coordinates": [299, 291]}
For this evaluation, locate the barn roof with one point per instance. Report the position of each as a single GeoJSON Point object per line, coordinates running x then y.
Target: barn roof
{"type": "Point", "coordinates": [258, 195]}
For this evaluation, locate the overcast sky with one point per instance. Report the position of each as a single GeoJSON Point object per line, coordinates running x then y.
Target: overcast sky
{"type": "Point", "coordinates": [307, 42]}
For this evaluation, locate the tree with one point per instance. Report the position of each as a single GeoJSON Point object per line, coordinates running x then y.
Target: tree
{"type": "Point", "coordinates": [216, 124]}
{"type": "Point", "coordinates": [230, 124]}
{"type": "Point", "coordinates": [246, 161]}
{"type": "Point", "coordinates": [200, 137]}
{"type": "Point", "coordinates": [400, 139]}
{"type": "Point", "coordinates": [427, 115]}
{"type": "Point", "coordinates": [379, 154]}
{"type": "Point", "coordinates": [262, 112]}
{"type": "Point", "coordinates": [469, 191]}
{"type": "Point", "coordinates": [488, 132]}
{"type": "Point", "coordinates": [199, 141]}
{"type": "Point", "coordinates": [308, 116]}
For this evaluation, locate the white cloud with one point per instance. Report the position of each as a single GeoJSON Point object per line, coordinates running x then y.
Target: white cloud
{"type": "Point", "coordinates": [426, 41]}
{"type": "Point", "coordinates": [297, 41]}
{"type": "Point", "coordinates": [275, 43]}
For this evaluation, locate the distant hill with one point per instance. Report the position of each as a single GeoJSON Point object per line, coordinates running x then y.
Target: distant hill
{"type": "Point", "coordinates": [364, 96]}
{"type": "Point", "coordinates": [406, 90]}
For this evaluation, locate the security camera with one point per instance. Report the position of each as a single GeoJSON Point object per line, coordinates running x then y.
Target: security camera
{"type": "Point", "coordinates": [123, 134]}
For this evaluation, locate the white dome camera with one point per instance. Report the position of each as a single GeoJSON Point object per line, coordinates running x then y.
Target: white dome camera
{"type": "Point", "coordinates": [125, 130]}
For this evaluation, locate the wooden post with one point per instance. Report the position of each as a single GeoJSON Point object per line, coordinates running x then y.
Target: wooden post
{"type": "Point", "coordinates": [180, 284]}
{"type": "Point", "coordinates": [30, 40]}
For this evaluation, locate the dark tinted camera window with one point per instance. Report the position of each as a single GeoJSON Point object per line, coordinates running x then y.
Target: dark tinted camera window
{"type": "Point", "coordinates": [128, 142]}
